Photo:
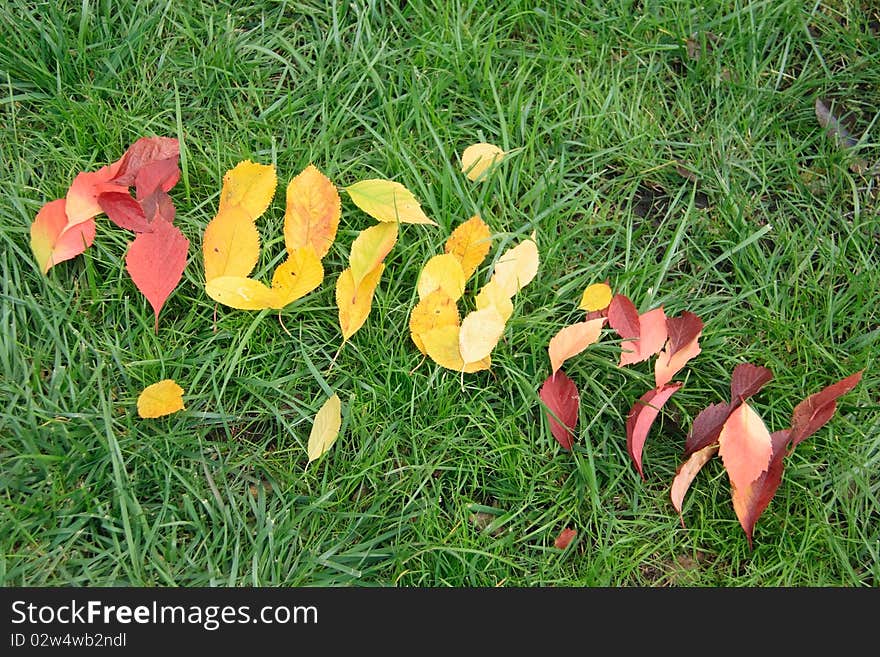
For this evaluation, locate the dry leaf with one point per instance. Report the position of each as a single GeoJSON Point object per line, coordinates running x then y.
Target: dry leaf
{"type": "Point", "coordinates": [325, 428]}
{"type": "Point", "coordinates": [478, 159]}
{"type": "Point", "coordinates": [158, 399]}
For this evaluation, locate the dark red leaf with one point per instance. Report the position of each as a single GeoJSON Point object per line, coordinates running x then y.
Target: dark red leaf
{"type": "Point", "coordinates": [623, 317]}
{"type": "Point", "coordinates": [560, 395]}
{"type": "Point", "coordinates": [565, 537]}
{"type": "Point", "coordinates": [142, 153]}
{"type": "Point", "coordinates": [747, 379]}
{"type": "Point", "coordinates": [158, 205]}
{"type": "Point", "coordinates": [124, 211]}
{"type": "Point", "coordinates": [159, 175]}
{"type": "Point", "coordinates": [156, 261]}
{"type": "Point", "coordinates": [682, 330]}
{"type": "Point", "coordinates": [706, 427]}
{"type": "Point", "coordinates": [640, 418]}
{"type": "Point", "coordinates": [811, 414]}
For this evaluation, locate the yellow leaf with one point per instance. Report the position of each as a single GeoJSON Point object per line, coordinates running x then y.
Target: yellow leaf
{"type": "Point", "coordinates": [162, 398]}
{"type": "Point", "coordinates": [231, 244]}
{"type": "Point", "coordinates": [480, 332]}
{"type": "Point", "coordinates": [249, 186]}
{"type": "Point", "coordinates": [325, 428]}
{"type": "Point", "coordinates": [386, 200]}
{"type": "Point", "coordinates": [434, 311]}
{"type": "Point", "coordinates": [596, 297]}
{"type": "Point", "coordinates": [370, 248]}
{"type": "Point", "coordinates": [442, 346]}
{"type": "Point", "coordinates": [479, 158]}
{"type": "Point", "coordinates": [517, 267]}
{"type": "Point", "coordinates": [242, 293]}
{"type": "Point", "coordinates": [301, 273]}
{"type": "Point", "coordinates": [312, 213]}
{"type": "Point", "coordinates": [355, 303]}
{"type": "Point", "coordinates": [491, 295]}
{"type": "Point", "coordinates": [441, 272]}
{"type": "Point", "coordinates": [572, 340]}
{"type": "Point", "coordinates": [470, 243]}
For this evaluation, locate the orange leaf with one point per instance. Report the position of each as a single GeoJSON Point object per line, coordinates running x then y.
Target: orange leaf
{"type": "Point", "coordinates": [313, 211]}
{"type": "Point", "coordinates": [53, 240]}
{"type": "Point", "coordinates": [83, 193]}
{"type": "Point", "coordinates": [572, 340]}
{"type": "Point", "coordinates": [745, 446]}
{"type": "Point", "coordinates": [652, 335]}
{"type": "Point", "coordinates": [470, 243]}
{"type": "Point", "coordinates": [686, 473]}
{"type": "Point", "coordinates": [564, 539]}
{"type": "Point", "coordinates": [684, 333]}
{"type": "Point", "coordinates": [750, 501]}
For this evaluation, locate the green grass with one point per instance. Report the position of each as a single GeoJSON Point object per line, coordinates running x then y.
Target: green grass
{"type": "Point", "coordinates": [775, 244]}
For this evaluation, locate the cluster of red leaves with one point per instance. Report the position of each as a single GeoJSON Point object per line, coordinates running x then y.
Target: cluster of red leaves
{"type": "Point", "coordinates": [65, 228]}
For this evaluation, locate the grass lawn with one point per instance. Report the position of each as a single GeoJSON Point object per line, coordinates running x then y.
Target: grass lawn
{"type": "Point", "coordinates": [671, 148]}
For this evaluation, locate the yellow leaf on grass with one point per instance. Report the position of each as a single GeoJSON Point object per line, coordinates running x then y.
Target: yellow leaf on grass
{"type": "Point", "coordinates": [517, 267]}
{"type": "Point", "coordinates": [596, 297]}
{"type": "Point", "coordinates": [491, 295]}
{"type": "Point", "coordinates": [242, 293]}
{"type": "Point", "coordinates": [249, 186]}
{"type": "Point", "coordinates": [572, 340]}
{"type": "Point", "coordinates": [442, 346]}
{"type": "Point", "coordinates": [470, 243]}
{"type": "Point", "coordinates": [441, 272]}
{"type": "Point", "coordinates": [301, 273]}
{"type": "Point", "coordinates": [231, 244]}
{"type": "Point", "coordinates": [386, 200]}
{"type": "Point", "coordinates": [477, 159]}
{"type": "Point", "coordinates": [312, 213]}
{"type": "Point", "coordinates": [370, 248]}
{"type": "Point", "coordinates": [480, 332]}
{"type": "Point", "coordinates": [162, 398]}
{"type": "Point", "coordinates": [355, 303]}
{"type": "Point", "coordinates": [434, 311]}
{"type": "Point", "coordinates": [325, 428]}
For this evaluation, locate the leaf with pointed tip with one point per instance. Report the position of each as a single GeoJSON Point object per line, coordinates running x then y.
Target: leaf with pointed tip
{"type": "Point", "coordinates": [747, 380]}
{"type": "Point", "coordinates": [517, 267]}
{"type": "Point", "coordinates": [386, 200]}
{"type": "Point", "coordinates": [82, 195]}
{"type": "Point", "coordinates": [158, 175]}
{"type": "Point", "coordinates": [442, 346]}
{"type": "Point", "coordinates": [686, 473]}
{"type": "Point", "coordinates": [683, 344]}
{"type": "Point", "coordinates": [53, 240]}
{"type": "Point", "coordinates": [312, 213]}
{"type": "Point", "coordinates": [470, 243]}
{"type": "Point", "coordinates": [434, 311]}
{"type": "Point", "coordinates": [572, 340]}
{"type": "Point", "coordinates": [354, 302]}
{"type": "Point", "coordinates": [231, 244]}
{"type": "Point", "coordinates": [441, 272]}
{"type": "Point", "coordinates": [325, 428]}
{"type": "Point", "coordinates": [491, 295]}
{"type": "Point", "coordinates": [623, 317]}
{"type": "Point", "coordinates": [750, 501]}
{"type": "Point", "coordinates": [560, 396]}
{"type": "Point", "coordinates": [479, 333]}
{"type": "Point", "coordinates": [811, 414]}
{"type": "Point", "coordinates": [478, 159]}
{"type": "Point", "coordinates": [124, 211]}
{"type": "Point", "coordinates": [143, 153]}
{"type": "Point", "coordinates": [640, 418]}
{"type": "Point", "coordinates": [707, 427]}
{"type": "Point", "coordinates": [301, 273]}
{"type": "Point", "coordinates": [158, 206]}
{"type": "Point", "coordinates": [369, 248]}
{"type": "Point", "coordinates": [745, 446]}
{"type": "Point", "coordinates": [242, 293]}
{"type": "Point", "coordinates": [652, 336]}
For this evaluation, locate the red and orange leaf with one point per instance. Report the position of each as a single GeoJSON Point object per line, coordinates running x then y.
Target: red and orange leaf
{"type": "Point", "coordinates": [686, 473]}
{"type": "Point", "coordinates": [560, 395]}
{"type": "Point", "coordinates": [565, 537]}
{"type": "Point", "coordinates": [745, 446]}
{"type": "Point", "coordinates": [749, 502]}
{"type": "Point", "coordinates": [683, 344]}
{"type": "Point", "coordinates": [143, 153]}
{"type": "Point", "coordinates": [640, 418]}
{"type": "Point", "coordinates": [652, 336]}
{"type": "Point", "coordinates": [53, 240]}
{"type": "Point", "coordinates": [82, 195]}
{"type": "Point", "coordinates": [707, 427]}
{"type": "Point", "coordinates": [747, 380]}
{"type": "Point", "coordinates": [572, 340]}
{"type": "Point", "coordinates": [124, 211]}
{"type": "Point", "coordinates": [156, 261]}
{"type": "Point", "coordinates": [811, 414]}
{"type": "Point", "coordinates": [312, 213]}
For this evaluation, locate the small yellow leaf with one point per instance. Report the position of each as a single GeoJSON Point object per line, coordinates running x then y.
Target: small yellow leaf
{"type": "Point", "coordinates": [441, 272]}
{"type": "Point", "coordinates": [480, 332]}
{"type": "Point", "coordinates": [355, 303]}
{"type": "Point", "coordinates": [470, 243]}
{"type": "Point", "coordinates": [231, 244]}
{"type": "Point", "coordinates": [301, 273]}
{"type": "Point", "coordinates": [442, 347]}
{"type": "Point", "coordinates": [491, 295]}
{"type": "Point", "coordinates": [249, 186]}
{"type": "Point", "coordinates": [312, 213]}
{"type": "Point", "coordinates": [596, 297]}
{"type": "Point", "coordinates": [369, 248]}
{"type": "Point", "coordinates": [325, 428]}
{"type": "Point", "coordinates": [386, 200]}
{"type": "Point", "coordinates": [477, 159]}
{"type": "Point", "coordinates": [242, 293]}
{"type": "Point", "coordinates": [434, 311]}
{"type": "Point", "coordinates": [572, 340]}
{"type": "Point", "coordinates": [517, 267]}
{"type": "Point", "coordinates": [162, 398]}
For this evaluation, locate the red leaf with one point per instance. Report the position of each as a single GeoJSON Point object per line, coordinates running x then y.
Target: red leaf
{"type": "Point", "coordinates": [124, 211]}
{"type": "Point", "coordinates": [53, 240]}
{"type": "Point", "coordinates": [565, 537]}
{"type": "Point", "coordinates": [156, 261]}
{"type": "Point", "coordinates": [706, 427]}
{"type": "Point", "coordinates": [142, 153]}
{"type": "Point", "coordinates": [811, 414]}
{"type": "Point", "coordinates": [640, 418]}
{"type": "Point", "coordinates": [750, 502]}
{"type": "Point", "coordinates": [682, 330]}
{"type": "Point", "coordinates": [745, 446]}
{"type": "Point", "coordinates": [747, 379]}
{"type": "Point", "coordinates": [623, 317]}
{"type": "Point", "coordinates": [159, 175]}
{"type": "Point", "coordinates": [560, 395]}
{"type": "Point", "coordinates": [158, 205]}
{"type": "Point", "coordinates": [686, 473]}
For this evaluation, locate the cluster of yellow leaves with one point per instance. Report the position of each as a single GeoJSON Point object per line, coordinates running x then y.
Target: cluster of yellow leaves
{"type": "Point", "coordinates": [391, 204]}
{"type": "Point", "coordinates": [231, 245]}
{"type": "Point", "coordinates": [572, 340]}
{"type": "Point", "coordinates": [436, 329]}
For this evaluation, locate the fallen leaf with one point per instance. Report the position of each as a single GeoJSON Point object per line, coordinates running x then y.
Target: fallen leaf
{"type": "Point", "coordinates": [162, 398]}
{"type": "Point", "coordinates": [596, 297]}
{"type": "Point", "coordinates": [572, 340]}
{"type": "Point", "coordinates": [442, 346]}
{"type": "Point", "coordinates": [470, 243]}
{"type": "Point", "coordinates": [144, 153]}
{"type": "Point", "coordinates": [749, 502]}
{"type": "Point", "coordinates": [434, 311]}
{"type": "Point", "coordinates": [811, 414]}
{"type": "Point", "coordinates": [82, 195]}
{"type": "Point", "coordinates": [686, 473]}
{"type": "Point", "coordinates": [159, 175]}
{"type": "Point", "coordinates": [312, 212]}
{"type": "Point", "coordinates": [745, 446]}
{"type": "Point", "coordinates": [53, 240]}
{"type": "Point", "coordinates": [301, 273]}
{"type": "Point", "coordinates": [652, 336]}
{"type": "Point", "coordinates": [125, 211]}
{"type": "Point", "coordinates": [565, 537]}
{"type": "Point", "coordinates": [386, 200]}
{"type": "Point", "coordinates": [683, 345]}
{"type": "Point", "coordinates": [492, 296]}
{"type": "Point", "coordinates": [325, 428]}
{"type": "Point", "coordinates": [517, 267]}
{"type": "Point", "coordinates": [478, 159]}
{"type": "Point", "coordinates": [355, 302]}
{"type": "Point", "coordinates": [707, 427]}
{"type": "Point", "coordinates": [640, 418]}
{"type": "Point", "coordinates": [250, 187]}
{"type": "Point", "coordinates": [479, 333]}
{"type": "Point", "coordinates": [747, 380]}
{"type": "Point", "coordinates": [231, 244]}
{"type": "Point", "coordinates": [241, 293]}
{"type": "Point", "coordinates": [623, 317]}
{"type": "Point", "coordinates": [560, 395]}
{"type": "Point", "coordinates": [441, 272]}
{"type": "Point", "coordinates": [371, 247]}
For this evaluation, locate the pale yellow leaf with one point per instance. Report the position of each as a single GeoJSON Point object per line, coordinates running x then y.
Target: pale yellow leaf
{"type": "Point", "coordinates": [470, 243]}
{"type": "Point", "coordinates": [231, 244]}
{"type": "Point", "coordinates": [517, 267]}
{"type": "Point", "coordinates": [355, 303]}
{"type": "Point", "coordinates": [242, 293]}
{"type": "Point", "coordinates": [325, 428]}
{"type": "Point", "coordinates": [158, 399]}
{"type": "Point", "coordinates": [477, 159]}
{"type": "Point", "coordinates": [386, 200]}
{"type": "Point", "coordinates": [596, 297]}
{"type": "Point", "coordinates": [441, 272]}
{"type": "Point", "coordinates": [572, 340]}
{"type": "Point", "coordinates": [249, 186]}
{"type": "Point", "coordinates": [301, 273]}
{"type": "Point", "coordinates": [312, 212]}
{"type": "Point", "coordinates": [369, 248]}
{"type": "Point", "coordinates": [442, 347]}
{"type": "Point", "coordinates": [480, 332]}
{"type": "Point", "coordinates": [491, 294]}
{"type": "Point", "coordinates": [434, 311]}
